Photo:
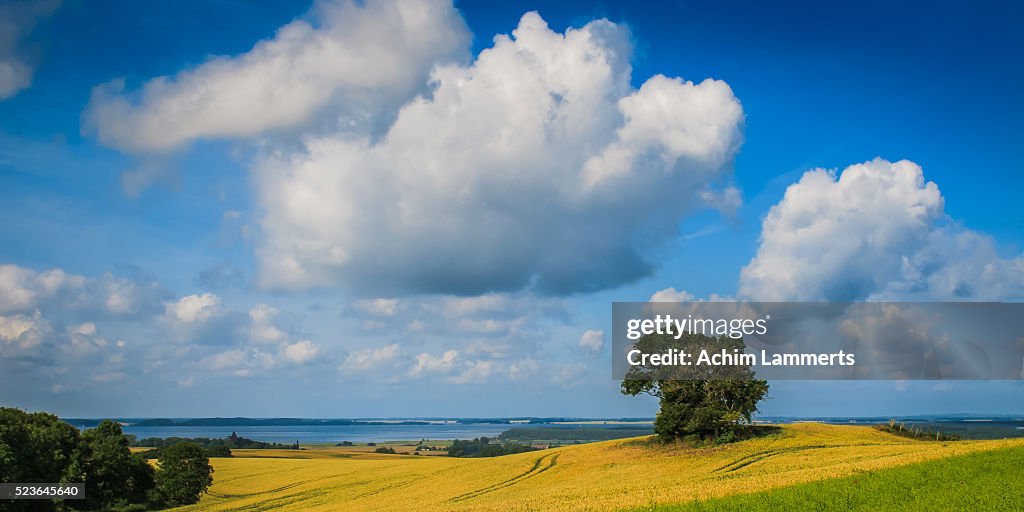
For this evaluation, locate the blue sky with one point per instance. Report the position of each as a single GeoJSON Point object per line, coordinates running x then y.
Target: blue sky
{"type": "Point", "coordinates": [368, 217]}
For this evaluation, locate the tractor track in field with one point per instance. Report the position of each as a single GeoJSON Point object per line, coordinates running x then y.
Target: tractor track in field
{"type": "Point", "coordinates": [538, 467]}
{"type": "Point", "coordinates": [274, 490]}
{"type": "Point", "coordinates": [751, 458]}
{"type": "Point", "coordinates": [276, 501]}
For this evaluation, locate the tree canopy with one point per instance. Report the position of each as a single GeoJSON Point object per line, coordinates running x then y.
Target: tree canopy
{"type": "Point", "coordinates": [40, 448]}
{"type": "Point", "coordinates": [185, 473]}
{"type": "Point", "coordinates": [113, 475]}
{"type": "Point", "coordinates": [37, 447]}
{"type": "Point", "coordinates": [705, 401]}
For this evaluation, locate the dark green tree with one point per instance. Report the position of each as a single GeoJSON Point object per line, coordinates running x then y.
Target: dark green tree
{"type": "Point", "coordinates": [113, 475]}
{"type": "Point", "coordinates": [218, 450]}
{"type": "Point", "coordinates": [703, 401]}
{"type": "Point", "coordinates": [185, 473]}
{"type": "Point", "coordinates": [37, 447]}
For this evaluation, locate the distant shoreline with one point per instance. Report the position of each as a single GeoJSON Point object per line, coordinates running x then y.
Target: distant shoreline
{"type": "Point", "coordinates": [310, 422]}
{"type": "Point", "coordinates": [307, 422]}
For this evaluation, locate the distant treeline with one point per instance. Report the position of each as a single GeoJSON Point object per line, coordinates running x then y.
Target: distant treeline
{"type": "Point", "coordinates": [574, 434]}
{"type": "Point", "coordinates": [213, 447]}
{"type": "Point", "coordinates": [482, 447]}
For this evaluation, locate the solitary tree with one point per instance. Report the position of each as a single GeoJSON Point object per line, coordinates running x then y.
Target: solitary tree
{"type": "Point", "coordinates": [185, 473]}
{"type": "Point", "coordinates": [704, 401]}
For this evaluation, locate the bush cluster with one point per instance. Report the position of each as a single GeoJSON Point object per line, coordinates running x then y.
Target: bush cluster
{"type": "Point", "coordinates": [482, 447]}
{"type": "Point", "coordinates": [40, 448]}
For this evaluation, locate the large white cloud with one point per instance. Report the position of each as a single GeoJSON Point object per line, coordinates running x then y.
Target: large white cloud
{"type": "Point", "coordinates": [356, 61]}
{"type": "Point", "coordinates": [537, 165]}
{"type": "Point", "coordinates": [876, 230]}
{"type": "Point", "coordinates": [389, 168]}
{"type": "Point", "coordinates": [16, 20]}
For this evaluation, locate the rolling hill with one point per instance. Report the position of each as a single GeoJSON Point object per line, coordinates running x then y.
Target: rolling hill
{"type": "Point", "coordinates": [611, 475]}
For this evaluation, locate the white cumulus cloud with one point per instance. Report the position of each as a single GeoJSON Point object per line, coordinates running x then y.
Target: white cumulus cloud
{"type": "Point", "coordinates": [21, 332]}
{"type": "Point", "coordinates": [238, 362]}
{"type": "Point", "coordinates": [356, 60]}
{"type": "Point", "coordinates": [83, 340]}
{"type": "Point", "coordinates": [537, 165]}
{"type": "Point", "coordinates": [301, 352]}
{"type": "Point", "coordinates": [427, 363]}
{"type": "Point", "coordinates": [390, 166]}
{"type": "Point", "coordinates": [193, 309]}
{"type": "Point", "coordinates": [877, 230]}
{"type": "Point", "coordinates": [24, 290]}
{"type": "Point", "coordinates": [262, 327]}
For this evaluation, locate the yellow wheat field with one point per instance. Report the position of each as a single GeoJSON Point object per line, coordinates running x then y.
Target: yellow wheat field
{"type": "Point", "coordinates": [600, 476]}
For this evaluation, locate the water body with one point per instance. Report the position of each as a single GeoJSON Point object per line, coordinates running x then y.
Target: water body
{"type": "Point", "coordinates": [336, 433]}
{"type": "Point", "coordinates": [968, 428]}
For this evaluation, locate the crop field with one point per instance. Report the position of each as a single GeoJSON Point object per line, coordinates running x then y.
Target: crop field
{"type": "Point", "coordinates": [988, 480]}
{"type": "Point", "coordinates": [611, 475]}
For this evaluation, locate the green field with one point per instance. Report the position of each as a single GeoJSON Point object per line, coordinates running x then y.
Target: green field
{"type": "Point", "coordinates": [991, 480]}
{"type": "Point", "coordinates": [611, 475]}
